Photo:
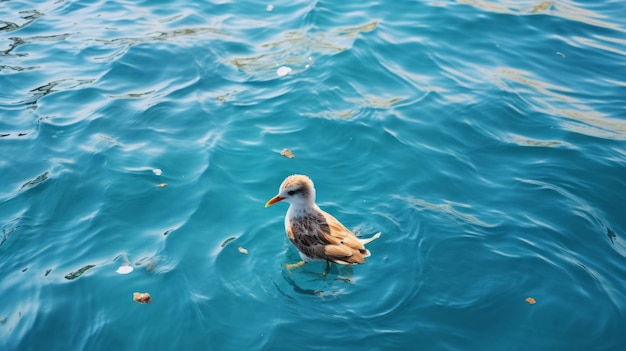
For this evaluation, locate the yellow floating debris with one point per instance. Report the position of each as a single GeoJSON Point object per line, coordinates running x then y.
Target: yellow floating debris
{"type": "Point", "coordinates": [542, 6]}
{"type": "Point", "coordinates": [287, 153]}
{"type": "Point", "coordinates": [142, 298]}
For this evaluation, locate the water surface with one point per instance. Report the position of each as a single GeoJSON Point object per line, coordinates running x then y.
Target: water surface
{"type": "Point", "coordinates": [485, 139]}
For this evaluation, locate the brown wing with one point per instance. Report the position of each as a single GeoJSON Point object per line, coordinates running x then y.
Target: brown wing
{"type": "Point", "coordinates": [322, 236]}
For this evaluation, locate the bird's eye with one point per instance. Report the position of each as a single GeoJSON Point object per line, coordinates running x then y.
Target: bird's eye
{"type": "Point", "coordinates": [291, 192]}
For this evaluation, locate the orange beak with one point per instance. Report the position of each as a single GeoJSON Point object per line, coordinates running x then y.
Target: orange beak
{"type": "Point", "coordinates": [274, 200]}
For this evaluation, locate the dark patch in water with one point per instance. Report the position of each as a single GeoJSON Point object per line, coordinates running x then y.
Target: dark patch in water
{"type": "Point", "coordinates": [4, 135]}
{"type": "Point", "coordinates": [79, 272]}
{"type": "Point", "coordinates": [29, 16]}
{"type": "Point", "coordinates": [228, 240]}
{"type": "Point", "coordinates": [6, 233]}
{"type": "Point", "coordinates": [40, 178]}
{"type": "Point", "coordinates": [611, 234]}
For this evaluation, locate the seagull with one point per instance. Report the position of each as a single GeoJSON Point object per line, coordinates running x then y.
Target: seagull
{"type": "Point", "coordinates": [315, 233]}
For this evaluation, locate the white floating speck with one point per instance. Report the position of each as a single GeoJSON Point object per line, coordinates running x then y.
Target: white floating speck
{"type": "Point", "coordinates": [242, 250]}
{"type": "Point", "coordinates": [270, 8]}
{"type": "Point", "coordinates": [157, 171]}
{"type": "Point", "coordinates": [283, 71]}
{"type": "Point", "coordinates": [125, 269]}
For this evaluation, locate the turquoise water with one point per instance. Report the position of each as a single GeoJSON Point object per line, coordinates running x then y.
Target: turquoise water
{"type": "Point", "coordinates": [486, 140]}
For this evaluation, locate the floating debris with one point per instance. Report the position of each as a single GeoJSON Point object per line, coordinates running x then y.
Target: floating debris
{"type": "Point", "coordinates": [540, 7]}
{"type": "Point", "coordinates": [283, 71]}
{"type": "Point", "coordinates": [157, 171]}
{"type": "Point", "coordinates": [125, 269]}
{"type": "Point", "coordinates": [40, 179]}
{"type": "Point", "coordinates": [150, 263]}
{"type": "Point", "coordinates": [79, 272]}
{"type": "Point", "coordinates": [131, 95]}
{"type": "Point", "coordinates": [8, 134]}
{"type": "Point", "coordinates": [353, 31]}
{"type": "Point", "coordinates": [287, 153]}
{"type": "Point", "coordinates": [530, 300]}
{"type": "Point", "coordinates": [228, 240]}
{"type": "Point", "coordinates": [109, 139]}
{"type": "Point", "coordinates": [560, 54]}
{"type": "Point", "coordinates": [142, 298]}
{"type": "Point", "coordinates": [24, 270]}
{"type": "Point", "coordinates": [165, 233]}
{"type": "Point", "coordinates": [377, 102]}
{"type": "Point", "coordinates": [47, 272]}
{"type": "Point", "coordinates": [331, 114]}
{"type": "Point", "coordinates": [227, 97]}
{"type": "Point", "coordinates": [611, 234]}
{"type": "Point", "coordinates": [242, 250]}
{"type": "Point", "coordinates": [162, 185]}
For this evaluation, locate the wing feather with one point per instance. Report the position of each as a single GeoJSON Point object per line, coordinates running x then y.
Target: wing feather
{"type": "Point", "coordinates": [322, 236]}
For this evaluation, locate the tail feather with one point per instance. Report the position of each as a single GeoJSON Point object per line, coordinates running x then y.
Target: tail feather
{"type": "Point", "coordinates": [370, 239]}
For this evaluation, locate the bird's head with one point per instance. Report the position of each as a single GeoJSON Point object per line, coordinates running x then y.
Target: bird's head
{"type": "Point", "coordinates": [296, 189]}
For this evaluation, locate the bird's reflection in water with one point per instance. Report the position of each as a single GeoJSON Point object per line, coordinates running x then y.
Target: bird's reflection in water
{"type": "Point", "coordinates": [317, 278]}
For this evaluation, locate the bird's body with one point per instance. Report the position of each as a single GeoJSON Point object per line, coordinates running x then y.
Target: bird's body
{"type": "Point", "coordinates": [315, 233]}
